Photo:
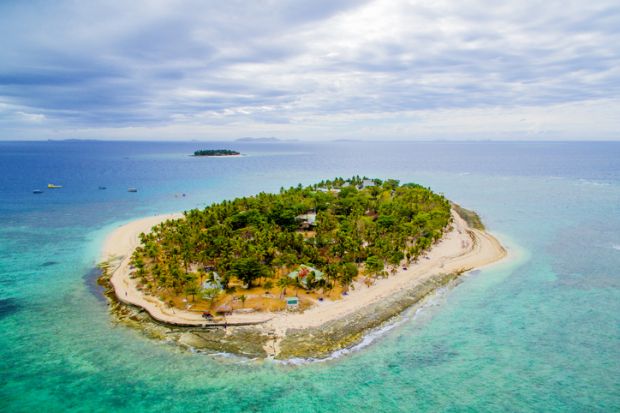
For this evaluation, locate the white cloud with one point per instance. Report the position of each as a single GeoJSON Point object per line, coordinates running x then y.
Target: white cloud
{"type": "Point", "coordinates": [381, 69]}
{"type": "Point", "coordinates": [31, 117]}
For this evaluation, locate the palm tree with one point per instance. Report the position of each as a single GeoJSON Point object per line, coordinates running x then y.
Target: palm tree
{"type": "Point", "coordinates": [192, 290]}
{"type": "Point", "coordinates": [379, 221]}
{"type": "Point", "coordinates": [284, 282]}
{"type": "Point", "coordinates": [242, 298]}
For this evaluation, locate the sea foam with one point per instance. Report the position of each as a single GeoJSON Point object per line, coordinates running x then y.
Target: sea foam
{"type": "Point", "coordinates": [374, 334]}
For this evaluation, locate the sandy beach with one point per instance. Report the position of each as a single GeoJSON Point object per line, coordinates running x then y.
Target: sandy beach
{"type": "Point", "coordinates": [461, 249]}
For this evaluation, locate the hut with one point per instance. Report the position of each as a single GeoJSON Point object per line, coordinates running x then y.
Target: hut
{"type": "Point", "coordinates": [307, 220]}
{"type": "Point", "coordinates": [306, 275]}
{"type": "Point", "coordinates": [292, 303]}
{"type": "Point", "coordinates": [214, 282]}
{"type": "Point", "coordinates": [366, 183]}
{"type": "Point", "coordinates": [225, 309]}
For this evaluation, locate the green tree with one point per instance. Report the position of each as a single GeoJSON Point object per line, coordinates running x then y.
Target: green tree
{"type": "Point", "coordinates": [374, 265]}
{"type": "Point", "coordinates": [250, 237]}
{"type": "Point", "coordinates": [242, 298]}
{"type": "Point", "coordinates": [283, 283]}
{"type": "Point", "coordinates": [395, 258]}
{"type": "Point", "coordinates": [211, 294]}
{"type": "Point", "coordinates": [192, 290]}
{"type": "Point", "coordinates": [248, 269]}
{"type": "Point", "coordinates": [347, 273]}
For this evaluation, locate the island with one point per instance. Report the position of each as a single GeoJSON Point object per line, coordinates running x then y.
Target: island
{"type": "Point", "coordinates": [216, 152]}
{"type": "Point", "coordinates": [250, 139]}
{"type": "Point", "coordinates": [300, 273]}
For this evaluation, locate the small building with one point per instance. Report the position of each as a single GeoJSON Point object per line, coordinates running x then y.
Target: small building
{"type": "Point", "coordinates": [306, 275]}
{"type": "Point", "coordinates": [328, 190]}
{"type": "Point", "coordinates": [224, 309]}
{"type": "Point", "coordinates": [366, 183]}
{"type": "Point", "coordinates": [213, 282]}
{"type": "Point", "coordinates": [307, 220]}
{"type": "Point", "coordinates": [292, 303]}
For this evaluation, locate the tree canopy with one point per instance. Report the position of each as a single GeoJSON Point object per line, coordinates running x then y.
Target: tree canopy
{"type": "Point", "coordinates": [337, 226]}
{"type": "Point", "coordinates": [215, 152]}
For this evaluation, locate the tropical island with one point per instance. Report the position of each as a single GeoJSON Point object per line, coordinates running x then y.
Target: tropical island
{"type": "Point", "coordinates": [216, 152]}
{"type": "Point", "coordinates": [326, 261]}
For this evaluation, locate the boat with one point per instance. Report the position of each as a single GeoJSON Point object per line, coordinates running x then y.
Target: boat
{"type": "Point", "coordinates": [102, 187]}
{"type": "Point", "coordinates": [132, 190]}
{"type": "Point", "coordinates": [52, 186]}
{"type": "Point", "coordinates": [37, 191]}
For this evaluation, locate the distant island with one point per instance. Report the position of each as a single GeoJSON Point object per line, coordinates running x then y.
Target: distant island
{"type": "Point", "coordinates": [264, 140]}
{"type": "Point", "coordinates": [298, 273]}
{"type": "Point", "coordinates": [216, 152]}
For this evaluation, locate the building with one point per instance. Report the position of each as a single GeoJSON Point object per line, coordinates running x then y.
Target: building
{"type": "Point", "coordinates": [307, 220]}
{"type": "Point", "coordinates": [292, 303]}
{"type": "Point", "coordinates": [213, 282]}
{"type": "Point", "coordinates": [306, 275]}
{"type": "Point", "coordinates": [366, 183]}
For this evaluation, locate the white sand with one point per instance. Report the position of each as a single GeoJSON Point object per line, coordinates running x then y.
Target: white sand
{"type": "Point", "coordinates": [463, 248]}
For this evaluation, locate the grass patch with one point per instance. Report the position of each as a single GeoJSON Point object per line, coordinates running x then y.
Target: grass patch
{"type": "Point", "coordinates": [472, 219]}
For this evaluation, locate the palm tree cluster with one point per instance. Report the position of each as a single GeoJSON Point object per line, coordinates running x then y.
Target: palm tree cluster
{"type": "Point", "coordinates": [338, 226]}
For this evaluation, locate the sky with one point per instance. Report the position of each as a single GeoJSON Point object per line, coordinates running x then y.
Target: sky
{"type": "Point", "coordinates": [312, 70]}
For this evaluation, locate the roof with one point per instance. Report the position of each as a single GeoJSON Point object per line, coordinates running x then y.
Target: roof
{"type": "Point", "coordinates": [215, 283]}
{"type": "Point", "coordinates": [318, 275]}
{"type": "Point", "coordinates": [224, 308]}
{"type": "Point", "coordinates": [333, 190]}
{"type": "Point", "coordinates": [309, 217]}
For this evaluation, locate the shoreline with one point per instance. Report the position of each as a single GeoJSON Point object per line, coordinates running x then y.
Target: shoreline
{"type": "Point", "coordinates": [320, 330]}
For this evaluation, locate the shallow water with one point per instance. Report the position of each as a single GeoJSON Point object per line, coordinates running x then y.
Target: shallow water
{"type": "Point", "coordinates": [540, 332]}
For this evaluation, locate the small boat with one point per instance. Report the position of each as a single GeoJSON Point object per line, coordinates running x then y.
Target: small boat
{"type": "Point", "coordinates": [37, 191]}
{"type": "Point", "coordinates": [52, 186]}
{"type": "Point", "coordinates": [132, 190]}
{"type": "Point", "coordinates": [102, 187]}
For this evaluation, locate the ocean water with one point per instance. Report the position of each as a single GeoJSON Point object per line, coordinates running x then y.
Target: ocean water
{"type": "Point", "coordinates": [538, 332]}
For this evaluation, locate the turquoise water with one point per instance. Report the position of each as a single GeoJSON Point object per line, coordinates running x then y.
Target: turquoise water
{"type": "Point", "coordinates": [539, 332]}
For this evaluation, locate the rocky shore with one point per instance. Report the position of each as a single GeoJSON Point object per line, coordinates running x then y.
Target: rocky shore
{"type": "Point", "coordinates": [258, 341]}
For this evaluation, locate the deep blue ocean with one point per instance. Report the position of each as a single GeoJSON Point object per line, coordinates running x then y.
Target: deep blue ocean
{"type": "Point", "coordinates": [539, 332]}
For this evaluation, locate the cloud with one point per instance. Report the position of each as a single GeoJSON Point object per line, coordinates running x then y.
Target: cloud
{"type": "Point", "coordinates": [31, 117]}
{"type": "Point", "coordinates": [377, 68]}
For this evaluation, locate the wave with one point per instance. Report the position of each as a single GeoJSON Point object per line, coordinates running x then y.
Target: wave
{"type": "Point", "coordinates": [374, 334]}
{"type": "Point", "coordinates": [369, 337]}
{"type": "Point", "coordinates": [594, 183]}
{"type": "Point", "coordinates": [616, 246]}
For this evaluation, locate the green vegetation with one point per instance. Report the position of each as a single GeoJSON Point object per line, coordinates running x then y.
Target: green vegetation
{"type": "Point", "coordinates": [472, 219]}
{"type": "Point", "coordinates": [215, 152]}
{"type": "Point", "coordinates": [341, 228]}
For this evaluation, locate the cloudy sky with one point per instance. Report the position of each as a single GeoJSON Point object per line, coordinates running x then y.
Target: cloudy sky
{"type": "Point", "coordinates": [320, 69]}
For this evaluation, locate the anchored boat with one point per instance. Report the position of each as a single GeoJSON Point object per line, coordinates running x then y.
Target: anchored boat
{"type": "Point", "coordinates": [52, 186]}
{"type": "Point", "coordinates": [132, 190]}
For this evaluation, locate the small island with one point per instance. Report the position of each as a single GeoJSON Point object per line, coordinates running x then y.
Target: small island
{"type": "Point", "coordinates": [216, 152]}
{"type": "Point", "coordinates": [299, 273]}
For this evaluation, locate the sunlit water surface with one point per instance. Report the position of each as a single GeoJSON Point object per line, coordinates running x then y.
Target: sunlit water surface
{"type": "Point", "coordinates": [538, 332]}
